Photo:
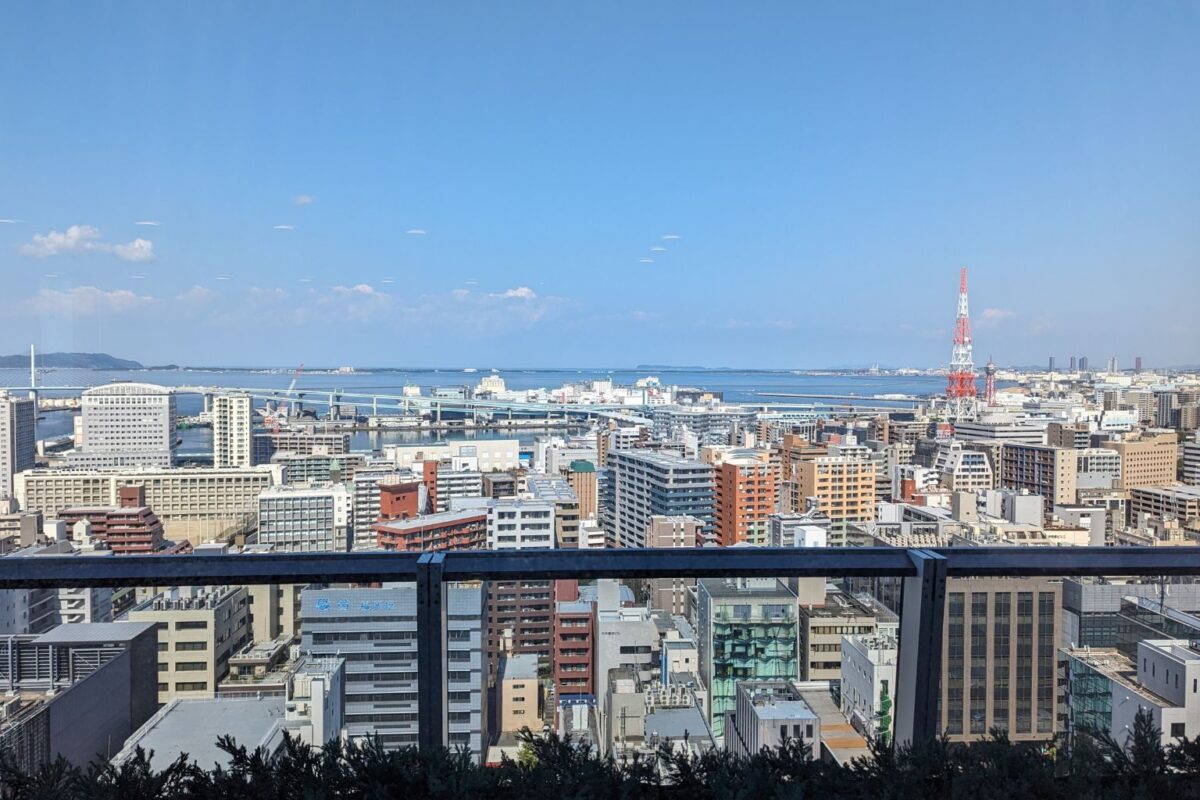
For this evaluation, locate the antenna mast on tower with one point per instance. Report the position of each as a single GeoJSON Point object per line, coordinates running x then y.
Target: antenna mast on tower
{"type": "Point", "coordinates": [960, 386]}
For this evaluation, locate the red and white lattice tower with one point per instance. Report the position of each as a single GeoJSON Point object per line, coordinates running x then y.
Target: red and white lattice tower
{"type": "Point", "coordinates": [960, 388]}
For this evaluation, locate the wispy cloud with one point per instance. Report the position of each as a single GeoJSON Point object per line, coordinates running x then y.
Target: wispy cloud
{"type": "Point", "coordinates": [82, 301]}
{"type": "Point", "coordinates": [990, 316]}
{"type": "Point", "coordinates": [9, 221]}
{"type": "Point", "coordinates": [658, 249]}
{"type": "Point", "coordinates": [284, 227]}
{"type": "Point", "coordinates": [153, 223]}
{"type": "Point", "coordinates": [223, 277]}
{"type": "Point", "coordinates": [79, 239]}
{"type": "Point", "coordinates": [671, 236]}
{"type": "Point", "coordinates": [416, 231]}
{"type": "Point", "coordinates": [304, 200]}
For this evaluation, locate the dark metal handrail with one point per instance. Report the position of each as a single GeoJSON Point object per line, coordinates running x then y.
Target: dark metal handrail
{"type": "Point", "coordinates": [924, 573]}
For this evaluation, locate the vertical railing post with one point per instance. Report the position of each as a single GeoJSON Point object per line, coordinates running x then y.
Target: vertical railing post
{"type": "Point", "coordinates": [919, 668]}
{"type": "Point", "coordinates": [431, 652]}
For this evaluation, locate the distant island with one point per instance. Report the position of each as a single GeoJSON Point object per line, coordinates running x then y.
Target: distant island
{"type": "Point", "coordinates": [70, 361]}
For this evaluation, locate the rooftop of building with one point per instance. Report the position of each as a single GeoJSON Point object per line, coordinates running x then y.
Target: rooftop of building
{"type": "Point", "coordinates": [662, 459]}
{"type": "Point", "coordinates": [519, 666]}
{"type": "Point", "coordinates": [94, 632]}
{"type": "Point", "coordinates": [839, 741]}
{"type": "Point", "coordinates": [193, 726]}
{"type": "Point", "coordinates": [438, 518]}
{"type": "Point", "coordinates": [840, 604]}
{"type": "Point", "coordinates": [731, 588]}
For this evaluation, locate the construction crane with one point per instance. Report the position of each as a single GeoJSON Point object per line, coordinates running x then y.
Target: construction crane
{"type": "Point", "coordinates": [274, 415]}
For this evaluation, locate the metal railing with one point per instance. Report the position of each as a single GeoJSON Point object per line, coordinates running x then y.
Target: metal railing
{"type": "Point", "coordinates": [924, 573]}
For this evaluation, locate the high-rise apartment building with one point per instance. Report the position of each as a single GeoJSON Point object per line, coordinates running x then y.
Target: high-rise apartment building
{"type": "Point", "coordinates": [1051, 472]}
{"type": "Point", "coordinates": [745, 495]}
{"type": "Point", "coordinates": [199, 628]}
{"type": "Point", "coordinates": [17, 438]}
{"type": "Point", "coordinates": [125, 425]}
{"type": "Point", "coordinates": [671, 594]}
{"type": "Point", "coordinates": [556, 490]}
{"type": "Point", "coordinates": [581, 475]}
{"type": "Point", "coordinates": [375, 630]}
{"type": "Point", "coordinates": [845, 490]}
{"type": "Point", "coordinates": [303, 519]}
{"type": "Point", "coordinates": [999, 658]}
{"type": "Point", "coordinates": [232, 431]}
{"type": "Point", "coordinates": [647, 483]}
{"type": "Point", "coordinates": [1147, 460]}
{"type": "Point", "coordinates": [793, 451]}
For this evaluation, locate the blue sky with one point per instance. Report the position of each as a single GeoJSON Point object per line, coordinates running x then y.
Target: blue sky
{"type": "Point", "coordinates": [487, 184]}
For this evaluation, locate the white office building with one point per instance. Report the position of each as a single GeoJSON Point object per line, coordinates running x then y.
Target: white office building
{"type": "Point", "coordinates": [125, 425]}
{"type": "Point", "coordinates": [490, 455]}
{"type": "Point", "coordinates": [232, 431]}
{"type": "Point", "coordinates": [869, 683]}
{"type": "Point", "coordinates": [520, 524]}
{"type": "Point", "coordinates": [305, 519]}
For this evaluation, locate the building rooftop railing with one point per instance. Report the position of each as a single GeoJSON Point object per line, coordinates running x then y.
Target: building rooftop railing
{"type": "Point", "coordinates": [924, 574]}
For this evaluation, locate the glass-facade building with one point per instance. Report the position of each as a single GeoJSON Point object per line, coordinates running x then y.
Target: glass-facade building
{"type": "Point", "coordinates": [749, 630]}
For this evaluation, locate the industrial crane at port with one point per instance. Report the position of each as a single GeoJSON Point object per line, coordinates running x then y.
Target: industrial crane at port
{"type": "Point", "coordinates": [274, 416]}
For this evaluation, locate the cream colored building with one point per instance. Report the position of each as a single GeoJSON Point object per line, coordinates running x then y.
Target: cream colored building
{"type": "Point", "coordinates": [1148, 460]}
{"type": "Point", "coordinates": [199, 628]}
{"type": "Point", "coordinates": [196, 504]}
{"type": "Point", "coordinates": [845, 490]}
{"type": "Point", "coordinates": [518, 694]}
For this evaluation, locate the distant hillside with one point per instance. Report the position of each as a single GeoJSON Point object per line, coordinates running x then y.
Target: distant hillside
{"type": "Point", "coordinates": [70, 361]}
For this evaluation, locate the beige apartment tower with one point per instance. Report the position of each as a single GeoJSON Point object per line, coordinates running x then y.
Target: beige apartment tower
{"type": "Point", "coordinates": [845, 490]}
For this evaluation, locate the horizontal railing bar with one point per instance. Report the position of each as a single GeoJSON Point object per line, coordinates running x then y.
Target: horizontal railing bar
{"type": "Point", "coordinates": [979, 562]}
{"type": "Point", "coordinates": [706, 562]}
{"type": "Point", "coordinates": [703, 562]}
{"type": "Point", "coordinates": [196, 570]}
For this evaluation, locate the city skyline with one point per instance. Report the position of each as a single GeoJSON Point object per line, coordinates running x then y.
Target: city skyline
{"type": "Point", "coordinates": [397, 186]}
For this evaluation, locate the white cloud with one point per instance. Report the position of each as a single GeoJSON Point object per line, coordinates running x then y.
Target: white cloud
{"type": "Point", "coordinates": [9, 221]}
{"type": "Point", "coordinates": [85, 301]}
{"type": "Point", "coordinates": [79, 239]}
{"type": "Point", "coordinates": [76, 239]}
{"type": "Point", "coordinates": [671, 236]}
{"type": "Point", "coordinates": [658, 249]}
{"type": "Point", "coordinates": [416, 231]}
{"type": "Point", "coordinates": [647, 260]}
{"type": "Point", "coordinates": [306, 280]}
{"type": "Point", "coordinates": [304, 200]}
{"type": "Point", "coordinates": [138, 250]}
{"type": "Point", "coordinates": [223, 277]}
{"type": "Point", "coordinates": [519, 293]}
{"type": "Point", "coordinates": [285, 227]}
{"type": "Point", "coordinates": [152, 223]}
{"type": "Point", "coordinates": [196, 295]}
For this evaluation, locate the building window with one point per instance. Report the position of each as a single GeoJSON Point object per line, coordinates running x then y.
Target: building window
{"type": "Point", "coordinates": [1177, 730]}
